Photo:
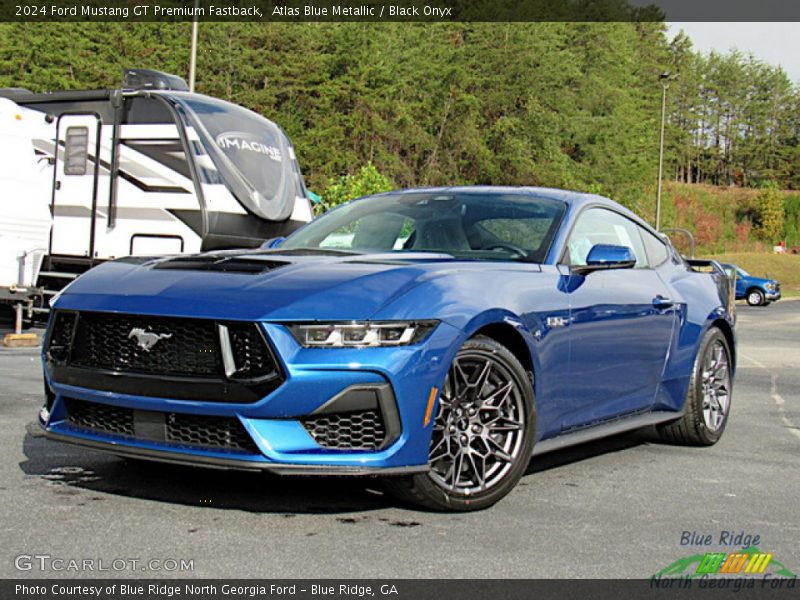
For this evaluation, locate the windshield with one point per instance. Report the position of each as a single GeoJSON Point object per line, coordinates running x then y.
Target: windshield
{"type": "Point", "coordinates": [254, 157]}
{"type": "Point", "coordinates": [742, 272]}
{"type": "Point", "coordinates": [483, 226]}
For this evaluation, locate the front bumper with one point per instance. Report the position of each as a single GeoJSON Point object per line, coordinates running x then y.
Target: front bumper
{"type": "Point", "coordinates": [773, 296]}
{"type": "Point", "coordinates": [275, 423]}
{"type": "Point", "coordinates": [239, 464]}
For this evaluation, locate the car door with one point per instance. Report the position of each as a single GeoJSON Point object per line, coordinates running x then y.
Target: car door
{"type": "Point", "coordinates": [742, 283]}
{"type": "Point", "coordinates": [735, 275]}
{"type": "Point", "coordinates": [621, 323]}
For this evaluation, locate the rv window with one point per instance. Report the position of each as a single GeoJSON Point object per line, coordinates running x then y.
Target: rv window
{"type": "Point", "coordinates": [76, 151]}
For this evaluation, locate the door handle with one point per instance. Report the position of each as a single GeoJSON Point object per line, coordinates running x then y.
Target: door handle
{"type": "Point", "coordinates": [662, 302]}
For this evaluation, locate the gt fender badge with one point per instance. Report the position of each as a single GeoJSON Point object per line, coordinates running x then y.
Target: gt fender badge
{"type": "Point", "coordinates": [553, 322]}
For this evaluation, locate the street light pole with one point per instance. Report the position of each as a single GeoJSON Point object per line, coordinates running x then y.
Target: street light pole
{"type": "Point", "coordinates": [193, 52]}
{"type": "Point", "coordinates": [664, 80]}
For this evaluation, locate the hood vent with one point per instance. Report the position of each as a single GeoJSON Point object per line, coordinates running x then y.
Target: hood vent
{"type": "Point", "coordinates": [247, 265]}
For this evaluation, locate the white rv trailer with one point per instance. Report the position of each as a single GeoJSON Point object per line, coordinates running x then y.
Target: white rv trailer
{"type": "Point", "coordinates": [24, 212]}
{"type": "Point", "coordinates": [152, 169]}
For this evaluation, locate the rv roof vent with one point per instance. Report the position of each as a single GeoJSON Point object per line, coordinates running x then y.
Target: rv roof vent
{"type": "Point", "coordinates": [147, 79]}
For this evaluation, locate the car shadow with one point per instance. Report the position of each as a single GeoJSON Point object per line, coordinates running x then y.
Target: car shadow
{"type": "Point", "coordinates": [616, 443]}
{"type": "Point", "coordinates": [71, 468]}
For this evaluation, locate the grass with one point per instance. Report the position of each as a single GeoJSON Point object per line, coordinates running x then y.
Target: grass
{"type": "Point", "coordinates": [718, 217]}
{"type": "Point", "coordinates": [783, 267]}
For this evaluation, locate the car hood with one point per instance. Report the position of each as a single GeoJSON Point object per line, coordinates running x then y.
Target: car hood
{"type": "Point", "coordinates": [288, 287]}
{"type": "Point", "coordinates": [758, 280]}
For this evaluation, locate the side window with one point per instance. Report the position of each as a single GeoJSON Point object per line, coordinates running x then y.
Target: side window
{"type": "Point", "coordinates": [657, 252]}
{"type": "Point", "coordinates": [601, 226]}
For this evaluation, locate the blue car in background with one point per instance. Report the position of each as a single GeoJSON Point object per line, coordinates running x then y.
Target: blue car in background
{"type": "Point", "coordinates": [434, 337]}
{"type": "Point", "coordinates": [758, 291]}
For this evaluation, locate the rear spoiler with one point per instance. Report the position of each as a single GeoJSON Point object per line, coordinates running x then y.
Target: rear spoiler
{"type": "Point", "coordinates": [726, 283]}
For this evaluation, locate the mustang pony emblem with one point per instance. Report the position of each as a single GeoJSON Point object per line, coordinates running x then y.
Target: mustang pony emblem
{"type": "Point", "coordinates": [147, 339]}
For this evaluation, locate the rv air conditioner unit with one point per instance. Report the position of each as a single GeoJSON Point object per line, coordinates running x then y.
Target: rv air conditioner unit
{"type": "Point", "coordinates": [148, 79]}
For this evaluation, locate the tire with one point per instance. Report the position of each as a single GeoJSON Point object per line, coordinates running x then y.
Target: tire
{"type": "Point", "coordinates": [708, 399]}
{"type": "Point", "coordinates": [483, 432]}
{"type": "Point", "coordinates": [755, 297]}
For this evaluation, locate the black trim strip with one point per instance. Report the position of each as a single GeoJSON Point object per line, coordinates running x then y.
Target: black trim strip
{"type": "Point", "coordinates": [602, 430]}
{"type": "Point", "coordinates": [235, 464]}
{"type": "Point", "coordinates": [159, 386]}
{"type": "Point", "coordinates": [160, 189]}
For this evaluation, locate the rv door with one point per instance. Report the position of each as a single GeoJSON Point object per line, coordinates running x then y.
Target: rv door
{"type": "Point", "coordinates": [76, 185]}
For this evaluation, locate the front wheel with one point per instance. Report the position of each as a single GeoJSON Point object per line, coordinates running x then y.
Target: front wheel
{"type": "Point", "coordinates": [708, 399]}
{"type": "Point", "coordinates": [482, 433]}
{"type": "Point", "coordinates": [756, 298]}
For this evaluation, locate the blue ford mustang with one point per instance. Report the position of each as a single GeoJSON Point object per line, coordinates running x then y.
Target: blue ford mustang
{"type": "Point", "coordinates": [437, 336]}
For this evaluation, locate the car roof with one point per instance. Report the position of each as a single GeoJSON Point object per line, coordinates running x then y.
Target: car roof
{"type": "Point", "coordinates": [570, 197]}
{"type": "Point", "coordinates": [574, 200]}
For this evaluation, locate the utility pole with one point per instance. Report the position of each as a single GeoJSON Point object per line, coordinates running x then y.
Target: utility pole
{"type": "Point", "coordinates": [193, 52]}
{"type": "Point", "coordinates": [664, 80]}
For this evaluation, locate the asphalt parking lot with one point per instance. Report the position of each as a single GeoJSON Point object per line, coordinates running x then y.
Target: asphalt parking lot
{"type": "Point", "coordinates": [616, 508]}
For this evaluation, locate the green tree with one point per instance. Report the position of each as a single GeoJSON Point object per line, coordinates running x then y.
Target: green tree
{"type": "Point", "coordinates": [769, 216]}
{"type": "Point", "coordinates": [791, 207]}
{"type": "Point", "coordinates": [367, 180]}
{"type": "Point", "coordinates": [571, 105]}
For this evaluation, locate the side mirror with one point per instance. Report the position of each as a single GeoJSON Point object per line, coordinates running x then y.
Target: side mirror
{"type": "Point", "coordinates": [272, 243]}
{"type": "Point", "coordinates": [607, 256]}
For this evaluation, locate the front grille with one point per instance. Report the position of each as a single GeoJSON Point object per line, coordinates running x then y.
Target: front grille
{"type": "Point", "coordinates": [218, 432]}
{"type": "Point", "coordinates": [182, 347]}
{"type": "Point", "coordinates": [162, 356]}
{"type": "Point", "coordinates": [358, 430]}
{"type": "Point", "coordinates": [176, 429]}
{"type": "Point", "coordinates": [62, 331]}
{"type": "Point", "coordinates": [100, 417]}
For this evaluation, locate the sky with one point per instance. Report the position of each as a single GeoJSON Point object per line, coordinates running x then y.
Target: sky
{"type": "Point", "coordinates": [774, 43]}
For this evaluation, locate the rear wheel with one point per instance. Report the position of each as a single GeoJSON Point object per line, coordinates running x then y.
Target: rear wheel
{"type": "Point", "coordinates": [755, 297]}
{"type": "Point", "coordinates": [482, 434]}
{"type": "Point", "coordinates": [708, 399]}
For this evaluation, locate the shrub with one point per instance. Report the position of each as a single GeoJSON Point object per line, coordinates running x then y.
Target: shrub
{"type": "Point", "coordinates": [791, 206]}
{"type": "Point", "coordinates": [769, 217]}
{"type": "Point", "coordinates": [743, 232]}
{"type": "Point", "coordinates": [367, 180]}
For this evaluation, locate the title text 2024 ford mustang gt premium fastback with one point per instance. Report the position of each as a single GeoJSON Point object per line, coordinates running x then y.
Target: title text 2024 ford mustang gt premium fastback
{"type": "Point", "coordinates": [440, 336]}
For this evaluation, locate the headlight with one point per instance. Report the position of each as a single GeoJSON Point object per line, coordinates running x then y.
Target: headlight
{"type": "Point", "coordinates": [361, 334]}
{"type": "Point", "coordinates": [770, 287]}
